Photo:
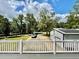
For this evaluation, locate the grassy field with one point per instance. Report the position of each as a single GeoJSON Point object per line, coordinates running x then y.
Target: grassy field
{"type": "Point", "coordinates": [19, 37]}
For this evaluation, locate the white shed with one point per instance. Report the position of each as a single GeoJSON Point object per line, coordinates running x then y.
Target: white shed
{"type": "Point", "coordinates": [60, 34]}
{"type": "Point", "coordinates": [64, 34]}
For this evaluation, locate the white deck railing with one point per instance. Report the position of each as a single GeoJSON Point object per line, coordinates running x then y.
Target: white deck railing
{"type": "Point", "coordinates": [37, 46]}
{"type": "Point", "coordinates": [9, 46]}
{"type": "Point", "coordinates": [67, 46]}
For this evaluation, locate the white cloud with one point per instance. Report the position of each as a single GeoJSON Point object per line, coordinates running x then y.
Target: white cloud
{"type": "Point", "coordinates": [5, 9]}
{"type": "Point", "coordinates": [40, 6]}
{"type": "Point", "coordinates": [62, 16]}
{"type": "Point", "coordinates": [33, 7]}
{"type": "Point", "coordinates": [46, 6]}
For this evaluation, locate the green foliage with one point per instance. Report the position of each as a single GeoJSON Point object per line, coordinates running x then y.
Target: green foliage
{"type": "Point", "coordinates": [47, 22]}
{"type": "Point", "coordinates": [17, 25]}
{"type": "Point", "coordinates": [28, 24]}
{"type": "Point", "coordinates": [20, 22]}
{"type": "Point", "coordinates": [72, 21]}
{"type": "Point", "coordinates": [1, 24]}
{"type": "Point", "coordinates": [4, 26]}
{"type": "Point", "coordinates": [31, 23]}
{"type": "Point", "coordinates": [61, 25]}
{"type": "Point", "coordinates": [14, 27]}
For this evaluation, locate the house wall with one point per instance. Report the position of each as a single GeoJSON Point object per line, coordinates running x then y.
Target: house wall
{"type": "Point", "coordinates": [56, 36]}
{"type": "Point", "coordinates": [52, 35]}
{"type": "Point", "coordinates": [59, 36]}
{"type": "Point", "coordinates": [71, 37]}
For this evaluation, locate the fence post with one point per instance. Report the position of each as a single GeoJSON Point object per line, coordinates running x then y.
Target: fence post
{"type": "Point", "coordinates": [54, 45]}
{"type": "Point", "coordinates": [21, 46]}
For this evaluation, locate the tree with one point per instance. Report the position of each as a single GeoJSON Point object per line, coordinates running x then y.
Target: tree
{"type": "Point", "coordinates": [61, 25]}
{"type": "Point", "coordinates": [20, 19]}
{"type": "Point", "coordinates": [46, 23]}
{"type": "Point", "coordinates": [14, 27]}
{"type": "Point", "coordinates": [24, 28]}
{"type": "Point", "coordinates": [31, 22]}
{"type": "Point", "coordinates": [19, 23]}
{"type": "Point", "coordinates": [6, 27]}
{"type": "Point", "coordinates": [72, 21]}
{"type": "Point", "coordinates": [1, 24]}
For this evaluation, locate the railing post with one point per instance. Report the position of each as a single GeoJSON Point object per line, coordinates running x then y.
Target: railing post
{"type": "Point", "coordinates": [54, 45]}
{"type": "Point", "coordinates": [21, 46]}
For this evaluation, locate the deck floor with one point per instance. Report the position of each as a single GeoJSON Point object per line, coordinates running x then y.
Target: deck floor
{"type": "Point", "coordinates": [39, 56]}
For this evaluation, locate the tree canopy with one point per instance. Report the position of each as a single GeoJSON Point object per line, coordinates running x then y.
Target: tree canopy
{"type": "Point", "coordinates": [28, 23]}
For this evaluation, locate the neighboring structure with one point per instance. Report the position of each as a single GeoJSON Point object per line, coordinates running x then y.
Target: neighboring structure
{"type": "Point", "coordinates": [65, 34]}
{"type": "Point", "coordinates": [60, 34]}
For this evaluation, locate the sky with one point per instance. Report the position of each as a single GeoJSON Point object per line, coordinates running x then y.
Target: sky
{"type": "Point", "coordinates": [11, 8]}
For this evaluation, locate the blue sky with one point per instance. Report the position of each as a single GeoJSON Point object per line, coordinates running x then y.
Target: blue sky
{"type": "Point", "coordinates": [11, 8]}
{"type": "Point", "coordinates": [59, 6]}
{"type": "Point", "coordinates": [63, 6]}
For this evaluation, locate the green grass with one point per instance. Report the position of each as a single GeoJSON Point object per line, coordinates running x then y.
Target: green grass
{"type": "Point", "coordinates": [20, 37]}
